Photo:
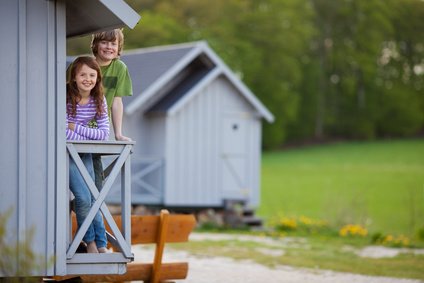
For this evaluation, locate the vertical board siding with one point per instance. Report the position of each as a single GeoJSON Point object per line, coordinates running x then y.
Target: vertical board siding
{"type": "Point", "coordinates": [9, 112]}
{"type": "Point", "coordinates": [57, 117]}
{"type": "Point", "coordinates": [255, 168]}
{"type": "Point", "coordinates": [29, 107]}
{"type": "Point", "coordinates": [40, 136]}
{"type": "Point", "coordinates": [156, 136]}
{"type": "Point", "coordinates": [20, 205]}
{"type": "Point", "coordinates": [192, 178]}
{"type": "Point", "coordinates": [51, 134]}
{"type": "Point", "coordinates": [233, 100]}
{"type": "Point", "coordinates": [135, 126]}
{"type": "Point", "coordinates": [35, 132]}
{"type": "Point", "coordinates": [192, 142]}
{"type": "Point", "coordinates": [234, 106]}
{"type": "Point", "coordinates": [194, 147]}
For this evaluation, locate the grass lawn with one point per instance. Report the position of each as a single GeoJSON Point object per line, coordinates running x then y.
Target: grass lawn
{"type": "Point", "coordinates": [377, 184]}
{"type": "Point", "coordinates": [315, 252]}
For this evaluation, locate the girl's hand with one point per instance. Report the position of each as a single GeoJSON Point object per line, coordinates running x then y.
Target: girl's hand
{"type": "Point", "coordinates": [71, 126]}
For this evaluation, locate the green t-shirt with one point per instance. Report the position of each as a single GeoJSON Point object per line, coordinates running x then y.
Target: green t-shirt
{"type": "Point", "coordinates": [116, 81]}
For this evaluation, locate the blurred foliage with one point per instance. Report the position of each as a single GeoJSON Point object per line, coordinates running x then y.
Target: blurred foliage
{"type": "Point", "coordinates": [399, 241]}
{"type": "Point", "coordinates": [326, 69]}
{"type": "Point", "coordinates": [17, 260]}
{"type": "Point", "coordinates": [306, 226]}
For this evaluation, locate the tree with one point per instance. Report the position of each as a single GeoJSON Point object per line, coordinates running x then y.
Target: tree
{"type": "Point", "coordinates": [325, 69]}
{"type": "Point", "coordinates": [401, 67]}
{"type": "Point", "coordinates": [346, 51]}
{"type": "Point", "coordinates": [278, 32]}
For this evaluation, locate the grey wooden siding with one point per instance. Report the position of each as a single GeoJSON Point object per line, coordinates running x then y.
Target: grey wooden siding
{"type": "Point", "coordinates": [195, 135]}
{"type": "Point", "coordinates": [200, 120]}
{"type": "Point", "coordinates": [242, 146]}
{"type": "Point", "coordinates": [29, 98]}
{"type": "Point", "coordinates": [33, 157]}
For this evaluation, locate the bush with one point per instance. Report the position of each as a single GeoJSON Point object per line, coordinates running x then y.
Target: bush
{"type": "Point", "coordinates": [420, 233]}
{"type": "Point", "coordinates": [301, 224]}
{"type": "Point", "coordinates": [390, 240]}
{"type": "Point", "coordinates": [353, 230]}
{"type": "Point", "coordinates": [13, 266]}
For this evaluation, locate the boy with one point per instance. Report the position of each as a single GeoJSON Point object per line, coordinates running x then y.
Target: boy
{"type": "Point", "coordinates": [106, 48]}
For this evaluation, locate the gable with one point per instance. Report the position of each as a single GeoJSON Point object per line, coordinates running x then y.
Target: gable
{"type": "Point", "coordinates": [192, 76]}
{"type": "Point", "coordinates": [161, 84]}
{"type": "Point", "coordinates": [233, 100]}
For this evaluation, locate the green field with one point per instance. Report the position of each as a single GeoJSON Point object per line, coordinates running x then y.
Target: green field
{"type": "Point", "coordinates": [377, 184]}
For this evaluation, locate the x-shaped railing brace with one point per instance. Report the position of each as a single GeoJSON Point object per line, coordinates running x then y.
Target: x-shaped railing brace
{"type": "Point", "coordinates": [121, 162]}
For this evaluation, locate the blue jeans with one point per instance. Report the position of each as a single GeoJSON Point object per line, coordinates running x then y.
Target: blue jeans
{"type": "Point", "coordinates": [84, 200]}
{"type": "Point", "coordinates": [98, 171]}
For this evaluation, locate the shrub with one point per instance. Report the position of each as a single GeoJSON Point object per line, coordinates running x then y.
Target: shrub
{"type": "Point", "coordinates": [390, 240]}
{"type": "Point", "coordinates": [353, 230]}
{"type": "Point", "coordinates": [420, 233]}
{"type": "Point", "coordinates": [17, 259]}
{"type": "Point", "coordinates": [301, 224]}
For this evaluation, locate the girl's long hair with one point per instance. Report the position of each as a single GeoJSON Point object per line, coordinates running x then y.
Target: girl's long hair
{"type": "Point", "coordinates": [72, 93]}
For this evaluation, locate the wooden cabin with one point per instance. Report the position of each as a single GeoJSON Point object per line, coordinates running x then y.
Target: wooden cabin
{"type": "Point", "coordinates": [198, 129]}
{"type": "Point", "coordinates": [34, 196]}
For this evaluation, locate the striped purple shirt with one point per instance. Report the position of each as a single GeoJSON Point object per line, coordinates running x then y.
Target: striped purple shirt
{"type": "Point", "coordinates": [84, 114]}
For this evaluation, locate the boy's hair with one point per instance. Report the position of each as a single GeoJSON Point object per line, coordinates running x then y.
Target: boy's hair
{"type": "Point", "coordinates": [110, 35]}
{"type": "Point", "coordinates": [72, 93]}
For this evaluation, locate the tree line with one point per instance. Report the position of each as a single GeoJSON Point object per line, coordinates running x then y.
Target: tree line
{"type": "Point", "coordinates": [351, 69]}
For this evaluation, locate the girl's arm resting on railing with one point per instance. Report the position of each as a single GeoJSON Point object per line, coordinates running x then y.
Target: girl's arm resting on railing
{"type": "Point", "coordinates": [71, 135]}
{"type": "Point", "coordinates": [99, 133]}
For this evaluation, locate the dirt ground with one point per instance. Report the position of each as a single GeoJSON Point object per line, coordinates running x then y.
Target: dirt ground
{"type": "Point", "coordinates": [221, 269]}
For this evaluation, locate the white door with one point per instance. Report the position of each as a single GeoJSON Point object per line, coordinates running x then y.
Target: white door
{"type": "Point", "coordinates": [234, 157]}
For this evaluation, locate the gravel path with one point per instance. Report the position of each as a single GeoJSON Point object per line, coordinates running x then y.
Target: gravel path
{"type": "Point", "coordinates": [213, 270]}
{"type": "Point", "coordinates": [227, 270]}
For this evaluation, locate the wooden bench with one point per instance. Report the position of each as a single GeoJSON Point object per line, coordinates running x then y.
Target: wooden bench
{"type": "Point", "coordinates": [151, 229]}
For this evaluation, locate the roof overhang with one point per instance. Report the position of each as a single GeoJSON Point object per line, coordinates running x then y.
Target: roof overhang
{"type": "Point", "coordinates": [89, 16]}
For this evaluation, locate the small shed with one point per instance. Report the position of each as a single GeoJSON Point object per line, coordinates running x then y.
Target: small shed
{"type": "Point", "coordinates": [33, 193]}
{"type": "Point", "coordinates": [197, 126]}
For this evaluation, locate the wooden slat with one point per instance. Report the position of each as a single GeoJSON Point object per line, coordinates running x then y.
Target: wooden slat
{"type": "Point", "coordinates": [144, 229]}
{"type": "Point", "coordinates": [159, 230]}
{"type": "Point", "coordinates": [179, 228]}
{"type": "Point", "coordinates": [137, 271]}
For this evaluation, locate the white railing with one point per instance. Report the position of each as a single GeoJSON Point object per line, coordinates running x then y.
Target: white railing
{"type": "Point", "coordinates": [122, 165]}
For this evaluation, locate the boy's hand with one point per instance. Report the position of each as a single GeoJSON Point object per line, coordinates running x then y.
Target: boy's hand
{"type": "Point", "coordinates": [122, 138]}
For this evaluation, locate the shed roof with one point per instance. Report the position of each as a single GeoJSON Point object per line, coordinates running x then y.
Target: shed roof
{"type": "Point", "coordinates": [85, 17]}
{"type": "Point", "coordinates": [154, 68]}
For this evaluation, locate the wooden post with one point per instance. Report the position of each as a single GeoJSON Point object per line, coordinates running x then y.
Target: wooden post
{"type": "Point", "coordinates": [160, 244]}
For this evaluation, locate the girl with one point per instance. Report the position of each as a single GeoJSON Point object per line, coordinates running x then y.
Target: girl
{"type": "Point", "coordinates": [85, 106]}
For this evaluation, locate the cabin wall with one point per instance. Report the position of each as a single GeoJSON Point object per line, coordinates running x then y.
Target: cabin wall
{"type": "Point", "coordinates": [33, 33]}
{"type": "Point", "coordinates": [254, 167]}
{"type": "Point", "coordinates": [192, 161]}
{"type": "Point", "coordinates": [148, 131]}
{"type": "Point", "coordinates": [135, 127]}
{"type": "Point", "coordinates": [241, 147]}
{"type": "Point", "coordinates": [194, 149]}
{"type": "Point", "coordinates": [155, 135]}
{"type": "Point", "coordinates": [9, 79]}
